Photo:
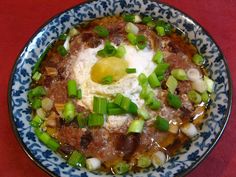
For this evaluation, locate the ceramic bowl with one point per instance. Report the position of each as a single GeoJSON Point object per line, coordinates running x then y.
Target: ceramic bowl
{"type": "Point", "coordinates": [191, 155]}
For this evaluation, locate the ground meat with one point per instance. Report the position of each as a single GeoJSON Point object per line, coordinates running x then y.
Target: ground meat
{"type": "Point", "coordinates": [86, 139]}
{"type": "Point", "coordinates": [128, 144]}
{"type": "Point", "coordinates": [178, 61]}
{"type": "Point", "coordinates": [184, 87]}
{"type": "Point", "coordinates": [58, 92]}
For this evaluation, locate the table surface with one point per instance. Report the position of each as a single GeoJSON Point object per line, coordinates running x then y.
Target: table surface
{"type": "Point", "coordinates": [20, 19]}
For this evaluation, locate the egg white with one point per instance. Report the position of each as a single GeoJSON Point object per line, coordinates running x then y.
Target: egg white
{"type": "Point", "coordinates": [128, 85]}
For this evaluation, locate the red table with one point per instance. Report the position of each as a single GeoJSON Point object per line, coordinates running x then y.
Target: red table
{"type": "Point", "coordinates": [20, 19]}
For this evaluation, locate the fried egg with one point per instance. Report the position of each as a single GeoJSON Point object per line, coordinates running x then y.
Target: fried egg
{"type": "Point", "coordinates": [128, 85]}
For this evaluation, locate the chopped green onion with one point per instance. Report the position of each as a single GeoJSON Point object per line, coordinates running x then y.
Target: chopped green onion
{"type": "Point", "coordinates": [144, 93]}
{"type": "Point", "coordinates": [205, 97]}
{"type": "Point", "coordinates": [53, 144]}
{"type": "Point", "coordinates": [153, 80]}
{"type": "Point", "coordinates": [209, 83]}
{"type": "Point", "coordinates": [158, 57]}
{"type": "Point", "coordinates": [141, 41]}
{"type": "Point", "coordinates": [36, 92]}
{"type": "Point", "coordinates": [71, 88]}
{"type": "Point", "coordinates": [160, 78]}
{"type": "Point", "coordinates": [47, 139]}
{"type": "Point", "coordinates": [160, 31]}
{"type": "Point", "coordinates": [95, 120]}
{"type": "Point", "coordinates": [81, 120]}
{"type": "Point", "coordinates": [107, 80]}
{"type": "Point", "coordinates": [112, 105]}
{"type": "Point", "coordinates": [167, 27]}
{"type": "Point", "coordinates": [155, 104]}
{"type": "Point", "coordinates": [174, 101]}
{"type": "Point", "coordinates": [63, 36]}
{"type": "Point", "coordinates": [136, 126]}
{"type": "Point", "coordinates": [130, 70]}
{"type": "Point", "coordinates": [120, 51]}
{"type": "Point", "coordinates": [179, 74]}
{"type": "Point", "coordinates": [77, 159]}
{"type": "Point", "coordinates": [161, 69]}
{"type": "Point", "coordinates": [171, 83]}
{"type": "Point", "coordinates": [132, 38]}
{"type": "Point", "coordinates": [198, 59]}
{"type": "Point", "coordinates": [146, 19]}
{"type": "Point", "coordinates": [142, 79]}
{"type": "Point", "coordinates": [36, 121]}
{"type": "Point", "coordinates": [121, 168]}
{"type": "Point", "coordinates": [128, 17]}
{"type": "Point", "coordinates": [62, 51]}
{"type": "Point", "coordinates": [115, 111]}
{"type": "Point", "coordinates": [133, 108]}
{"type": "Point", "coordinates": [37, 75]}
{"type": "Point", "coordinates": [161, 124]}
{"type": "Point", "coordinates": [143, 113]}
{"type": "Point", "coordinates": [42, 56]}
{"type": "Point", "coordinates": [69, 112]}
{"type": "Point", "coordinates": [99, 105]}
{"type": "Point", "coordinates": [108, 50]}
{"type": "Point", "coordinates": [36, 103]}
{"type": "Point", "coordinates": [118, 99]}
{"type": "Point", "coordinates": [79, 94]}
{"type": "Point", "coordinates": [101, 31]}
{"type": "Point", "coordinates": [151, 24]}
{"type": "Point", "coordinates": [194, 97]}
{"type": "Point", "coordinates": [144, 161]}
{"type": "Point", "coordinates": [125, 103]}
{"type": "Point", "coordinates": [152, 101]}
{"type": "Point", "coordinates": [131, 28]}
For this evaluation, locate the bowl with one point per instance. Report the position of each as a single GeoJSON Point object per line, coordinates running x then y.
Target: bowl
{"type": "Point", "coordinates": [191, 155]}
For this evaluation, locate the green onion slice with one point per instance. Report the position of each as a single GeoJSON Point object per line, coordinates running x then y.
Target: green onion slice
{"type": "Point", "coordinates": [95, 120]}
{"type": "Point", "coordinates": [198, 59]}
{"type": "Point", "coordinates": [121, 168]}
{"type": "Point", "coordinates": [158, 57]}
{"type": "Point", "coordinates": [161, 124]}
{"type": "Point", "coordinates": [141, 41]}
{"type": "Point", "coordinates": [194, 97]}
{"type": "Point", "coordinates": [179, 74]}
{"type": "Point", "coordinates": [172, 84]}
{"type": "Point", "coordinates": [153, 80]}
{"type": "Point", "coordinates": [161, 69]}
{"type": "Point", "coordinates": [132, 38]}
{"type": "Point", "coordinates": [77, 159]}
{"type": "Point", "coordinates": [136, 126]}
{"type": "Point", "coordinates": [71, 88]}
{"type": "Point", "coordinates": [69, 112]}
{"type": "Point", "coordinates": [174, 100]}
{"type": "Point", "coordinates": [107, 80]}
{"type": "Point", "coordinates": [144, 161]}
{"type": "Point", "coordinates": [101, 31]}
{"type": "Point", "coordinates": [62, 51]}
{"type": "Point", "coordinates": [130, 70]}
{"type": "Point", "coordinates": [99, 105]}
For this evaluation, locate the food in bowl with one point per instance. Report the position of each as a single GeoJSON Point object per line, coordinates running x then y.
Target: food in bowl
{"type": "Point", "coordinates": [120, 93]}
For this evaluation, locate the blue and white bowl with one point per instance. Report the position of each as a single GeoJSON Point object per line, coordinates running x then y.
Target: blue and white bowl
{"type": "Point", "coordinates": [179, 165]}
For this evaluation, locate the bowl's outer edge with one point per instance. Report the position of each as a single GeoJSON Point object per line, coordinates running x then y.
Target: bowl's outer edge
{"type": "Point", "coordinates": [27, 151]}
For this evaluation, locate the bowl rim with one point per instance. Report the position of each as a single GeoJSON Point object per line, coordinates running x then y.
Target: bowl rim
{"type": "Point", "coordinates": [193, 165]}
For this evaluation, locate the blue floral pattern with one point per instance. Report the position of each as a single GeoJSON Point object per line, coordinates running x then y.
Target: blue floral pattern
{"type": "Point", "coordinates": [176, 166]}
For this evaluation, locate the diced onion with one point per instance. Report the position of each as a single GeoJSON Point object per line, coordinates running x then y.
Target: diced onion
{"type": "Point", "coordinates": [158, 158]}
{"type": "Point", "coordinates": [67, 44]}
{"type": "Point", "coordinates": [173, 128]}
{"type": "Point", "coordinates": [193, 74]}
{"type": "Point", "coordinates": [189, 129]}
{"type": "Point", "coordinates": [93, 164]}
{"type": "Point", "coordinates": [137, 19]}
{"type": "Point", "coordinates": [47, 104]}
{"type": "Point", "coordinates": [131, 28]}
{"type": "Point", "coordinates": [41, 113]}
{"type": "Point", "coordinates": [199, 85]}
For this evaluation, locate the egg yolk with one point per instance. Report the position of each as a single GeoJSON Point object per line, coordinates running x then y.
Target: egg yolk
{"type": "Point", "coordinates": [110, 66]}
